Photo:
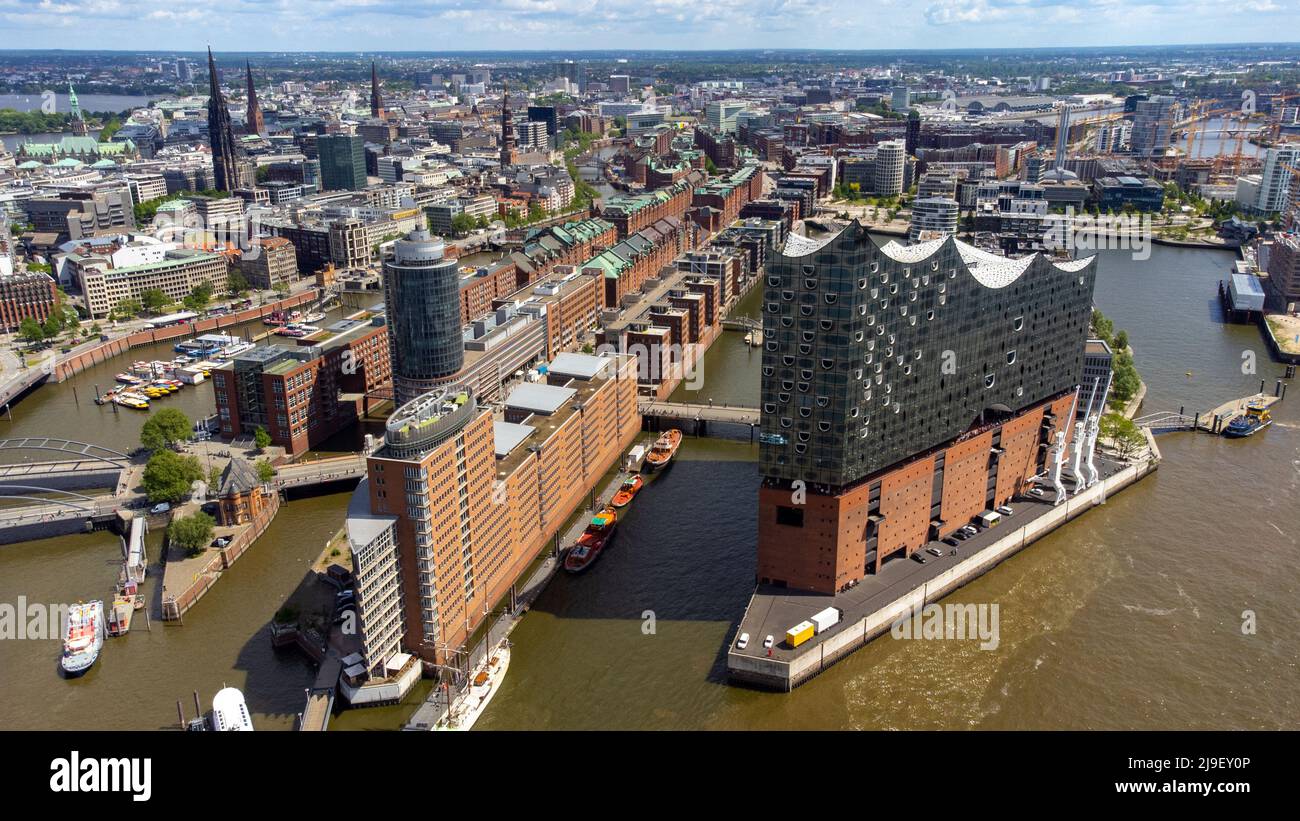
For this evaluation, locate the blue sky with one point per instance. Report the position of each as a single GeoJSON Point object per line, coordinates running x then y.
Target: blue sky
{"type": "Point", "coordinates": [435, 25]}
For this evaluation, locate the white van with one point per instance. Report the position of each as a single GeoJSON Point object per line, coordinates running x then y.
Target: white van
{"type": "Point", "coordinates": [988, 518]}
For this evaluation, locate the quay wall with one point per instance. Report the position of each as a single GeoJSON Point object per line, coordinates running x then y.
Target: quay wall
{"type": "Point", "coordinates": [175, 605]}
{"type": "Point", "coordinates": [78, 362]}
{"type": "Point", "coordinates": [786, 675]}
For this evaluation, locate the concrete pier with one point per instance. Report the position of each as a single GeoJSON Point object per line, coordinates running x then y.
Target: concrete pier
{"type": "Point", "coordinates": [871, 608]}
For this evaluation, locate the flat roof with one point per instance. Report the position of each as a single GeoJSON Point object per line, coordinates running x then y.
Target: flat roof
{"type": "Point", "coordinates": [1247, 284]}
{"type": "Point", "coordinates": [539, 398]}
{"type": "Point", "coordinates": [507, 436]}
{"type": "Point", "coordinates": [580, 365]}
{"type": "Point", "coordinates": [362, 525]}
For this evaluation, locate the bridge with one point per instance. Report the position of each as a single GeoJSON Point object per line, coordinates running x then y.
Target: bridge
{"type": "Point", "coordinates": [22, 383]}
{"type": "Point", "coordinates": [67, 446]}
{"type": "Point", "coordinates": [712, 412]}
{"type": "Point", "coordinates": [1211, 421]}
{"type": "Point", "coordinates": [322, 471]}
{"type": "Point", "coordinates": [742, 323]}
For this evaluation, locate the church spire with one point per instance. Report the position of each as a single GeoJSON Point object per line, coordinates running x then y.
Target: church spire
{"type": "Point", "coordinates": [255, 122]}
{"type": "Point", "coordinates": [507, 127]}
{"type": "Point", "coordinates": [221, 138]}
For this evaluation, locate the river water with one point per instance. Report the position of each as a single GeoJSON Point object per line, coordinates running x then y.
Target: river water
{"type": "Point", "coordinates": [1128, 617]}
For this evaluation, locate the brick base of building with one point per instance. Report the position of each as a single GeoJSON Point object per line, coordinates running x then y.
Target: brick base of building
{"type": "Point", "coordinates": [826, 541]}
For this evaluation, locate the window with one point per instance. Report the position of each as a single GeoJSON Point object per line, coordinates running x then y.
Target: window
{"type": "Point", "coordinates": [1011, 357]}
{"type": "Point", "coordinates": [988, 381]}
{"type": "Point", "coordinates": [1017, 323]}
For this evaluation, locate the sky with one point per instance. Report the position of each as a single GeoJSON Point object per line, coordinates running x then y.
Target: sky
{"type": "Point", "coordinates": [458, 25]}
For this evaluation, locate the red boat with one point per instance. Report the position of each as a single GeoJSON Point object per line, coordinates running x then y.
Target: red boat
{"type": "Point", "coordinates": [627, 492]}
{"type": "Point", "coordinates": [587, 549]}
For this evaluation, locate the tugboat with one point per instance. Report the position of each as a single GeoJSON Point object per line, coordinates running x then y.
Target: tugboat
{"type": "Point", "coordinates": [593, 540]}
{"type": "Point", "coordinates": [627, 492]}
{"type": "Point", "coordinates": [664, 449]}
{"type": "Point", "coordinates": [1256, 418]}
{"type": "Point", "coordinates": [84, 637]}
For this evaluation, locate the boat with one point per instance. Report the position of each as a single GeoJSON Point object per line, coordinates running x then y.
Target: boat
{"type": "Point", "coordinates": [664, 449]}
{"type": "Point", "coordinates": [204, 345]}
{"type": "Point", "coordinates": [236, 348]}
{"type": "Point", "coordinates": [313, 316]}
{"type": "Point", "coordinates": [754, 338]}
{"type": "Point", "coordinates": [230, 711]}
{"type": "Point", "coordinates": [487, 678]}
{"type": "Point", "coordinates": [134, 401]}
{"type": "Point", "coordinates": [84, 636]}
{"type": "Point", "coordinates": [1255, 419]}
{"type": "Point", "coordinates": [119, 617]}
{"type": "Point", "coordinates": [594, 539]}
{"type": "Point", "coordinates": [627, 492]}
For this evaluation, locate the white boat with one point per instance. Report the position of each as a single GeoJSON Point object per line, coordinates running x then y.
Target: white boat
{"type": "Point", "coordinates": [237, 348]}
{"type": "Point", "coordinates": [83, 637]}
{"type": "Point", "coordinates": [314, 316]}
{"type": "Point", "coordinates": [483, 684]}
{"type": "Point", "coordinates": [230, 712]}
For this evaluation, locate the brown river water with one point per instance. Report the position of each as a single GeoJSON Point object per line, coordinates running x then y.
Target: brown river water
{"type": "Point", "coordinates": [1129, 617]}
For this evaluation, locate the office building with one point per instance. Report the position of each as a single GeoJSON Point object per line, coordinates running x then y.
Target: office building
{"type": "Point", "coordinates": [891, 156]}
{"type": "Point", "coordinates": [305, 394]}
{"type": "Point", "coordinates": [905, 389]}
{"type": "Point", "coordinates": [932, 217]}
{"type": "Point", "coordinates": [466, 496]}
{"type": "Point", "coordinates": [421, 292]}
{"type": "Point", "coordinates": [1153, 123]}
{"type": "Point", "coordinates": [1276, 179]}
{"type": "Point", "coordinates": [720, 115]}
{"type": "Point", "coordinates": [342, 162]}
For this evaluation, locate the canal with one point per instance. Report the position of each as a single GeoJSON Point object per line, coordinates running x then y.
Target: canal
{"type": "Point", "coordinates": [1129, 617]}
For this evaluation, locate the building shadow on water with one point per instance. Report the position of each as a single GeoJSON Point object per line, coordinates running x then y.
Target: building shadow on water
{"type": "Point", "coordinates": [685, 549]}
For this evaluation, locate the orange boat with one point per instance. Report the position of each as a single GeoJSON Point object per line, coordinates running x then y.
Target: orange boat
{"type": "Point", "coordinates": [593, 540]}
{"type": "Point", "coordinates": [627, 492]}
{"type": "Point", "coordinates": [664, 448]}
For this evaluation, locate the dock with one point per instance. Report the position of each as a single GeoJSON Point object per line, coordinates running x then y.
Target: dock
{"type": "Point", "coordinates": [872, 607]}
{"type": "Point", "coordinates": [1212, 421]}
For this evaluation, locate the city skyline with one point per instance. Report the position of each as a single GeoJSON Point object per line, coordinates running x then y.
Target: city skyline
{"type": "Point", "coordinates": [345, 25]}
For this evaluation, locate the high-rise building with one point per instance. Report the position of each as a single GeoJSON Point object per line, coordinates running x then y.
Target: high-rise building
{"type": "Point", "coordinates": [932, 216]}
{"type": "Point", "coordinates": [460, 499]}
{"type": "Point", "coordinates": [900, 98]}
{"type": "Point", "coordinates": [221, 137]}
{"type": "Point", "coordinates": [1153, 122]}
{"type": "Point", "coordinates": [422, 295]}
{"type": "Point", "coordinates": [905, 389]}
{"type": "Point", "coordinates": [342, 162]}
{"type": "Point", "coordinates": [913, 131]}
{"type": "Point", "coordinates": [721, 115]}
{"type": "Point", "coordinates": [376, 103]}
{"type": "Point", "coordinates": [891, 156]}
{"type": "Point", "coordinates": [1276, 179]}
{"type": "Point", "coordinates": [255, 123]}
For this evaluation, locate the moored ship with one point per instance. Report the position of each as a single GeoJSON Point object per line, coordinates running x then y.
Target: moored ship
{"type": "Point", "coordinates": [84, 637]}
{"type": "Point", "coordinates": [627, 492]}
{"type": "Point", "coordinates": [469, 706]}
{"type": "Point", "coordinates": [1255, 419]}
{"type": "Point", "coordinates": [665, 447]}
{"type": "Point", "coordinates": [588, 547]}
{"type": "Point", "coordinates": [230, 711]}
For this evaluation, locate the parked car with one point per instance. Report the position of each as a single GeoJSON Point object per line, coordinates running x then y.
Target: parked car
{"type": "Point", "coordinates": [161, 507]}
{"type": "Point", "coordinates": [221, 541]}
{"type": "Point", "coordinates": [951, 542]}
{"type": "Point", "coordinates": [768, 642]}
{"type": "Point", "coordinates": [1004, 510]}
{"type": "Point", "coordinates": [743, 641]}
{"type": "Point", "coordinates": [934, 551]}
{"type": "Point", "coordinates": [919, 557]}
{"type": "Point", "coordinates": [1036, 492]}
{"type": "Point", "coordinates": [961, 535]}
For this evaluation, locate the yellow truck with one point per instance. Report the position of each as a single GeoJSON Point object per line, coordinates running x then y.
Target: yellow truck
{"type": "Point", "coordinates": [800, 633]}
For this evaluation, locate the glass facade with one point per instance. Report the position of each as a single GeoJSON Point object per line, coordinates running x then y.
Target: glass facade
{"type": "Point", "coordinates": [873, 354]}
{"type": "Point", "coordinates": [422, 299]}
{"type": "Point", "coordinates": [342, 162]}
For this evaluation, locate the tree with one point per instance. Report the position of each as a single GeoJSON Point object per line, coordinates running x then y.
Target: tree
{"type": "Point", "coordinates": [1121, 340]}
{"type": "Point", "coordinates": [236, 283]}
{"type": "Point", "coordinates": [199, 297]}
{"type": "Point", "coordinates": [168, 476]}
{"type": "Point", "coordinates": [53, 324]}
{"type": "Point", "coordinates": [265, 472]}
{"type": "Point", "coordinates": [261, 438]}
{"type": "Point", "coordinates": [31, 330]}
{"type": "Point", "coordinates": [191, 533]}
{"type": "Point", "coordinates": [214, 479]}
{"type": "Point", "coordinates": [165, 428]}
{"type": "Point", "coordinates": [1123, 433]}
{"type": "Point", "coordinates": [153, 300]}
{"type": "Point", "coordinates": [126, 308]}
{"type": "Point", "coordinates": [462, 224]}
